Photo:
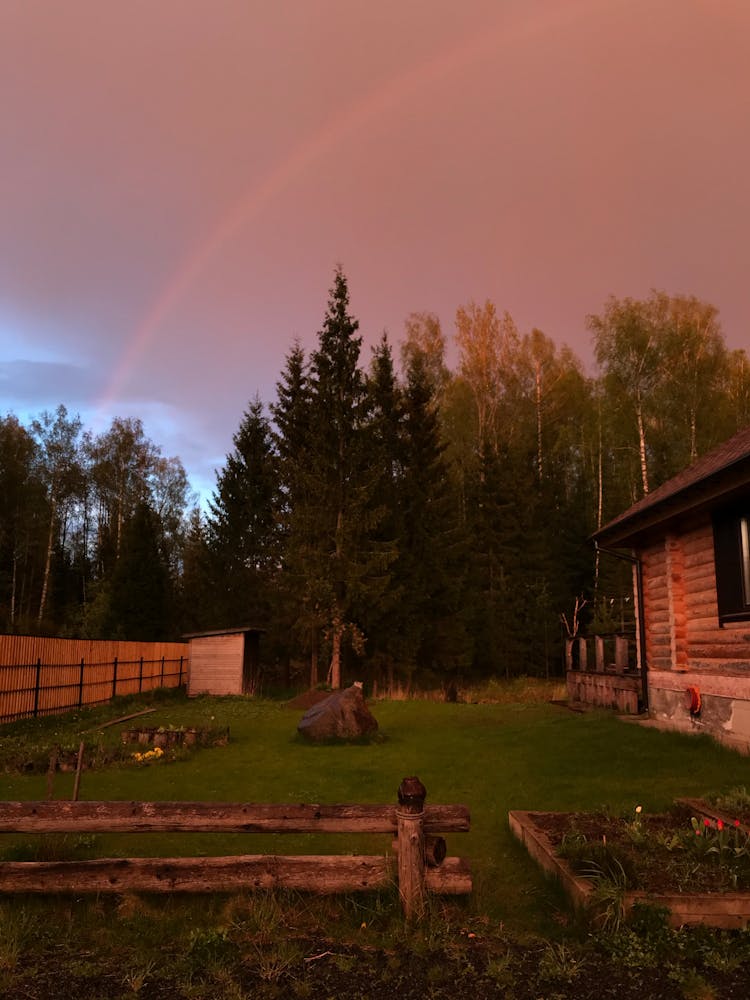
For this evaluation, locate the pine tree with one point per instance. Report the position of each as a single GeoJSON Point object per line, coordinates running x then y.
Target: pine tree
{"type": "Point", "coordinates": [331, 550]}
{"type": "Point", "coordinates": [431, 553]}
{"type": "Point", "coordinates": [243, 522]}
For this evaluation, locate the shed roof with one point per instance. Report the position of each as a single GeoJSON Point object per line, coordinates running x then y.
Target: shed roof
{"type": "Point", "coordinates": [710, 478]}
{"type": "Point", "coordinates": [223, 631]}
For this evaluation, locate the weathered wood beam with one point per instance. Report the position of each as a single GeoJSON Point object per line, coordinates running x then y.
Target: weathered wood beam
{"type": "Point", "coordinates": [218, 817]}
{"type": "Point", "coordinates": [310, 873]}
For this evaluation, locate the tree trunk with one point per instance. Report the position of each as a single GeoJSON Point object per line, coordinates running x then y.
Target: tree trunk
{"type": "Point", "coordinates": [538, 376]}
{"type": "Point", "coordinates": [47, 564]}
{"type": "Point", "coordinates": [334, 671]}
{"type": "Point", "coordinates": [313, 658]}
{"type": "Point", "coordinates": [642, 446]}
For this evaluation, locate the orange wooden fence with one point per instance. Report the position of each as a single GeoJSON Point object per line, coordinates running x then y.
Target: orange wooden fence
{"type": "Point", "coordinates": [43, 676]}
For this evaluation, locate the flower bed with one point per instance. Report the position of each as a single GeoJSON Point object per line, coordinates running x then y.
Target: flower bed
{"type": "Point", "coordinates": [169, 737]}
{"type": "Point", "coordinates": [691, 862]}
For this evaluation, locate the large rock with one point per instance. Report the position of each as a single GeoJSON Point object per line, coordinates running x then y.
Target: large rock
{"type": "Point", "coordinates": [343, 715]}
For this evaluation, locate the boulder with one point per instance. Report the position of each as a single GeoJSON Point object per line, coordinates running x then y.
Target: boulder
{"type": "Point", "coordinates": [343, 716]}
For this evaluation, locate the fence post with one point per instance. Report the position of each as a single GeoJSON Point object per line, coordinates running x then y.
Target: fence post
{"type": "Point", "coordinates": [114, 677]}
{"type": "Point", "coordinates": [80, 685]}
{"type": "Point", "coordinates": [161, 684]}
{"type": "Point", "coordinates": [179, 680]}
{"type": "Point", "coordinates": [411, 860]}
{"type": "Point", "coordinates": [140, 676]}
{"type": "Point", "coordinates": [36, 685]}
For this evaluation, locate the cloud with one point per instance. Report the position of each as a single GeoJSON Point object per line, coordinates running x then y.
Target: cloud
{"type": "Point", "coordinates": [46, 384]}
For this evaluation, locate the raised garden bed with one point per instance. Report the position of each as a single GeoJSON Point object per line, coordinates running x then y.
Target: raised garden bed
{"type": "Point", "coordinates": [694, 889]}
{"type": "Point", "coordinates": [188, 736]}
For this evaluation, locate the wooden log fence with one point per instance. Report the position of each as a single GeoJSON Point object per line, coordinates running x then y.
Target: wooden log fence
{"type": "Point", "coordinates": [420, 866]}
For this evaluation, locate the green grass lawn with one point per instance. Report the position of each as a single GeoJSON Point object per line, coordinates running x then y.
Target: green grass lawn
{"type": "Point", "coordinates": [492, 757]}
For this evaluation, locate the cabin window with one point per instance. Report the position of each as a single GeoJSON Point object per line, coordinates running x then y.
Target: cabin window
{"type": "Point", "coordinates": [732, 557]}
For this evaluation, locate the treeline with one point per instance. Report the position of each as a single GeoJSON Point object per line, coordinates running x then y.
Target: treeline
{"type": "Point", "coordinates": [91, 530]}
{"type": "Point", "coordinates": [384, 518]}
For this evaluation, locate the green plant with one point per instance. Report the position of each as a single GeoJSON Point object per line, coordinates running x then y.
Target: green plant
{"type": "Point", "coordinates": [736, 801]}
{"type": "Point", "coordinates": [137, 976]}
{"type": "Point", "coordinates": [608, 898]}
{"type": "Point", "coordinates": [560, 963]}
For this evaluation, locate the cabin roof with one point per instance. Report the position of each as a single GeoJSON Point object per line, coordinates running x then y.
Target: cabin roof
{"type": "Point", "coordinates": [712, 477]}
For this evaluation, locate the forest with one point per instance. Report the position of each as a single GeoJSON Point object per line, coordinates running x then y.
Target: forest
{"type": "Point", "coordinates": [385, 518]}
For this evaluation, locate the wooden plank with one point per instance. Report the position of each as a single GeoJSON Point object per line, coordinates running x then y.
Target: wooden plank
{"type": "Point", "coordinates": [226, 817]}
{"type": "Point", "coordinates": [319, 874]}
{"type": "Point", "coordinates": [312, 873]}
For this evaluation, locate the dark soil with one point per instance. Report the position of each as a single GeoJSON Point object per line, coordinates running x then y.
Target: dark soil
{"type": "Point", "coordinates": [657, 854]}
{"type": "Point", "coordinates": [473, 970]}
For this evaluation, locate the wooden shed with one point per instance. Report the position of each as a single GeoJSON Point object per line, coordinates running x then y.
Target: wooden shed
{"type": "Point", "coordinates": [225, 661]}
{"type": "Point", "coordinates": [690, 542]}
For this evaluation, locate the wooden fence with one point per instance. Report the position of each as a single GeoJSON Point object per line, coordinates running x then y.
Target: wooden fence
{"type": "Point", "coordinates": [420, 865]}
{"type": "Point", "coordinates": [42, 676]}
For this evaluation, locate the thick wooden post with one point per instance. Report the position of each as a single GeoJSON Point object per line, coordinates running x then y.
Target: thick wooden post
{"type": "Point", "coordinates": [411, 860]}
{"type": "Point", "coordinates": [621, 653]}
{"type": "Point", "coordinates": [582, 654]}
{"type": "Point", "coordinates": [599, 653]}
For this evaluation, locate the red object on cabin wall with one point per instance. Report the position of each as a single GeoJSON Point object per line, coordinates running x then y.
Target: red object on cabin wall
{"type": "Point", "coordinates": [693, 700]}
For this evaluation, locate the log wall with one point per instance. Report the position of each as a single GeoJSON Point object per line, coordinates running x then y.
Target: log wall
{"type": "Point", "coordinates": [685, 645]}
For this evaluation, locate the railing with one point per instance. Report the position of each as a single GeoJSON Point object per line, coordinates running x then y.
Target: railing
{"type": "Point", "coordinates": [603, 670]}
{"type": "Point", "coordinates": [610, 652]}
{"type": "Point", "coordinates": [46, 687]}
{"type": "Point", "coordinates": [420, 865]}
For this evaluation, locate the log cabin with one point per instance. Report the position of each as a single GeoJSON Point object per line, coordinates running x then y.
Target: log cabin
{"type": "Point", "coordinates": [689, 542]}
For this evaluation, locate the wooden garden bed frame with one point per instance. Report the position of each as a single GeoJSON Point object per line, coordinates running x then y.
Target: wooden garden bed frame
{"type": "Point", "coordinates": [726, 909]}
{"type": "Point", "coordinates": [420, 865]}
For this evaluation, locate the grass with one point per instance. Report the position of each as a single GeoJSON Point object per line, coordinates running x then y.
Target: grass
{"type": "Point", "coordinates": [493, 756]}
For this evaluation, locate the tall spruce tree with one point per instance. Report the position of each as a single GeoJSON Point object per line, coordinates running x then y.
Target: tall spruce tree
{"type": "Point", "coordinates": [336, 553]}
{"type": "Point", "coordinates": [384, 619]}
{"type": "Point", "coordinates": [243, 523]}
{"type": "Point", "coordinates": [431, 553]}
{"type": "Point", "coordinates": [299, 604]}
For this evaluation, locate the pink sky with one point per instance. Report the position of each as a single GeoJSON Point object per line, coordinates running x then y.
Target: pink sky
{"type": "Point", "coordinates": [178, 180]}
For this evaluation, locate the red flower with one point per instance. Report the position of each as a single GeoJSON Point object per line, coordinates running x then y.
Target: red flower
{"type": "Point", "coordinates": [697, 833]}
{"type": "Point", "coordinates": [719, 824]}
{"type": "Point", "coordinates": [736, 822]}
{"type": "Point", "coordinates": [707, 821]}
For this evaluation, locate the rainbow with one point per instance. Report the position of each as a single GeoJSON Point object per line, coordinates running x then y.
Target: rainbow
{"type": "Point", "coordinates": [387, 96]}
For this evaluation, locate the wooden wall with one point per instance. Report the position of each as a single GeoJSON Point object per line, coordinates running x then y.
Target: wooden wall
{"type": "Point", "coordinates": [685, 645]}
{"type": "Point", "coordinates": [680, 609]}
{"type": "Point", "coordinates": [47, 675]}
{"type": "Point", "coordinates": [216, 664]}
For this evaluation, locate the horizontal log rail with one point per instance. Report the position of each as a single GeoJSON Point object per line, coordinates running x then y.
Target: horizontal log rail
{"type": "Point", "coordinates": [217, 817]}
{"type": "Point", "coordinates": [419, 867]}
